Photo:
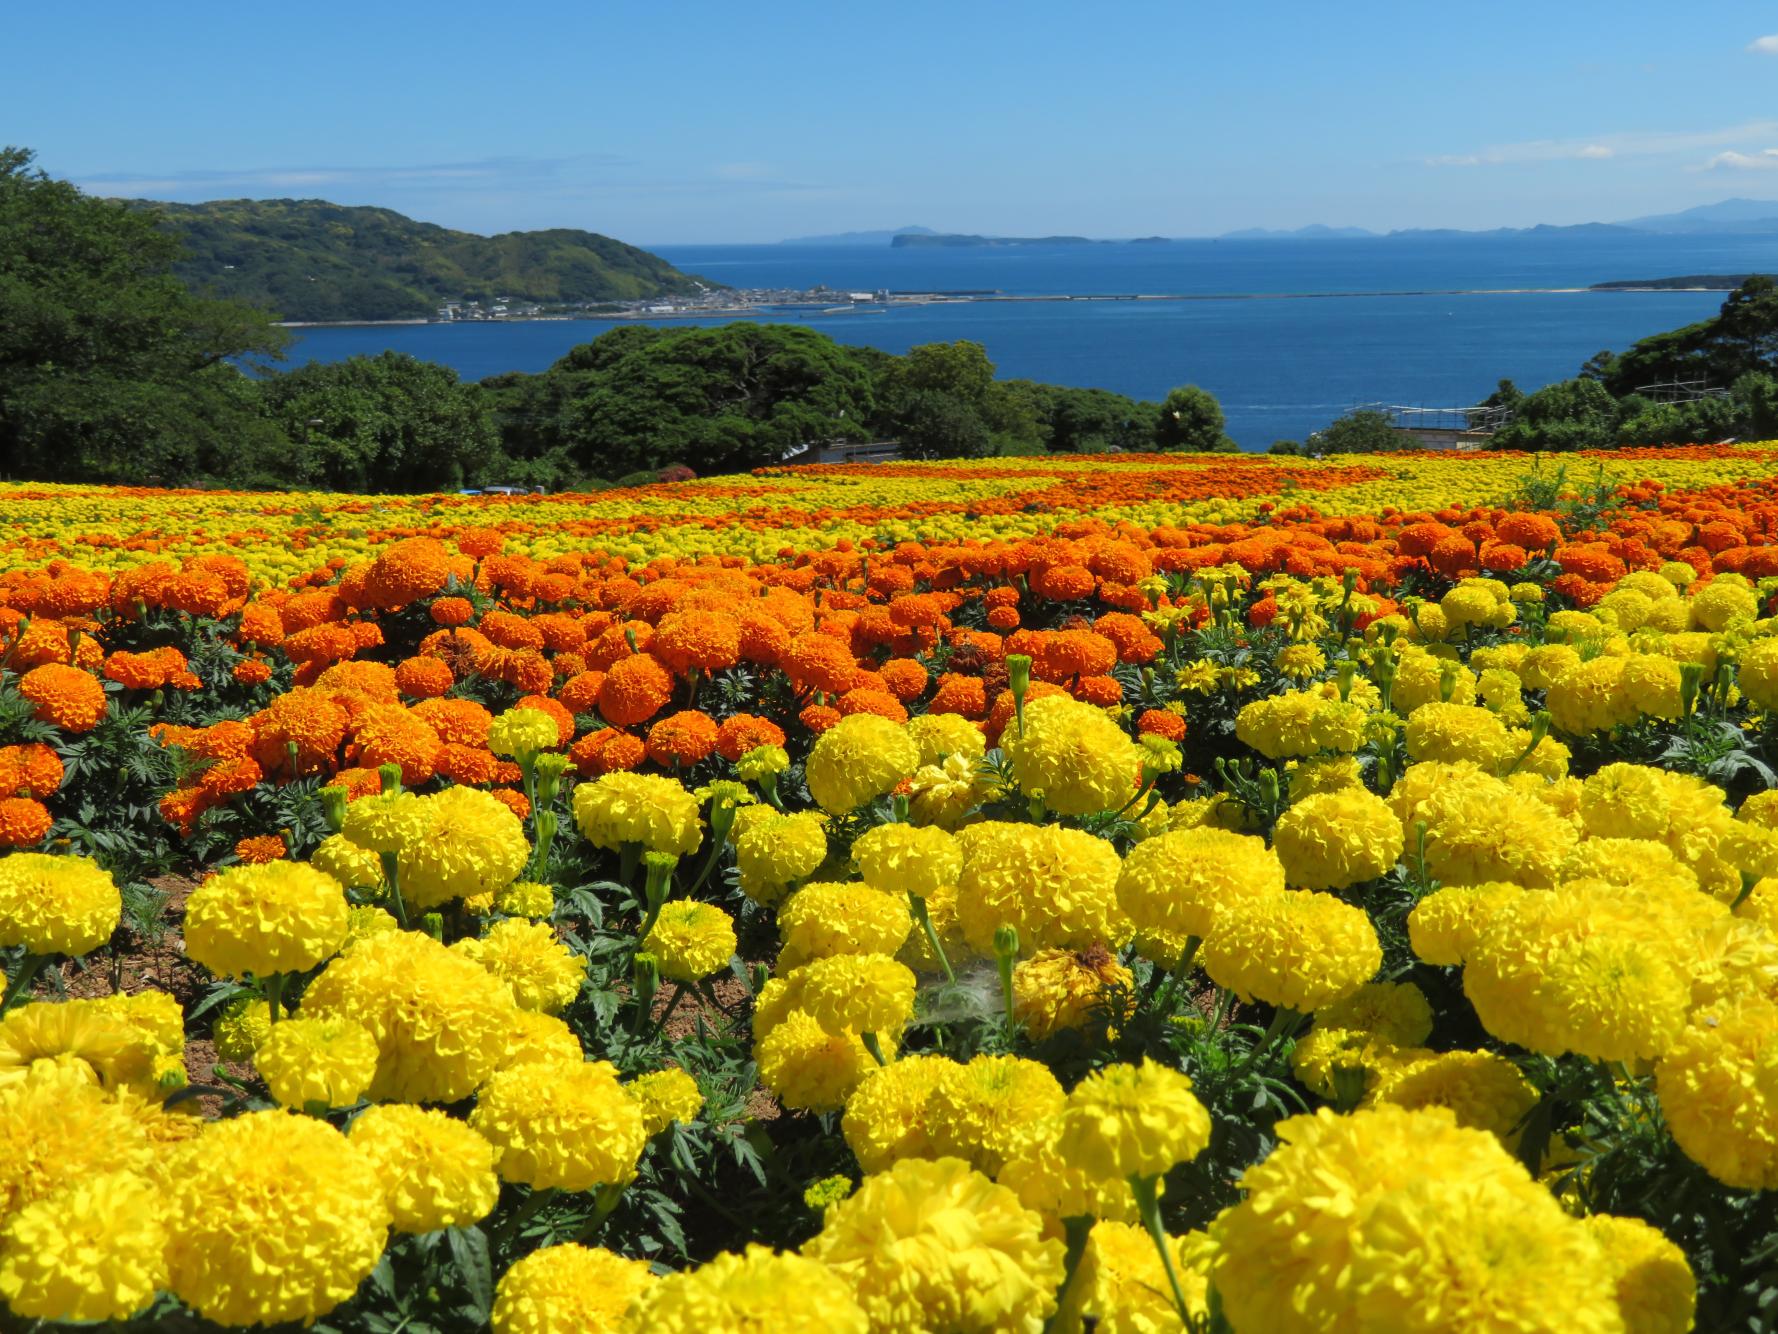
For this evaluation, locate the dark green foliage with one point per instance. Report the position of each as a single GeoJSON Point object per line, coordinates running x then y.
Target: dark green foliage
{"type": "Point", "coordinates": [1364, 431]}
{"type": "Point", "coordinates": [1742, 338]}
{"type": "Point", "coordinates": [308, 259]}
{"type": "Point", "coordinates": [937, 425]}
{"type": "Point", "coordinates": [110, 369]}
{"type": "Point", "coordinates": [1190, 419]}
{"type": "Point", "coordinates": [384, 423]}
{"type": "Point", "coordinates": [1567, 415]}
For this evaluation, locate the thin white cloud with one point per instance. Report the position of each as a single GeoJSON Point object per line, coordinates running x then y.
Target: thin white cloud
{"type": "Point", "coordinates": [1764, 46]}
{"type": "Point", "coordinates": [1764, 160]}
{"type": "Point", "coordinates": [1636, 144]}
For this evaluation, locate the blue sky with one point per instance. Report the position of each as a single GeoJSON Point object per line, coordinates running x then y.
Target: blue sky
{"type": "Point", "coordinates": [684, 121]}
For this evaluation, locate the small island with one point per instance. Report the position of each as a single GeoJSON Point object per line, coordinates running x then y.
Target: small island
{"type": "Point", "coordinates": [1691, 282]}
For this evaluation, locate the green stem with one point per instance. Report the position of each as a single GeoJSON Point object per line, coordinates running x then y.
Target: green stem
{"type": "Point", "coordinates": [605, 1199]}
{"type": "Point", "coordinates": [274, 996]}
{"type": "Point", "coordinates": [924, 918]}
{"type": "Point", "coordinates": [392, 877]}
{"type": "Point", "coordinates": [29, 967]}
{"type": "Point", "coordinates": [874, 1047]}
{"type": "Point", "coordinates": [708, 866]}
{"type": "Point", "coordinates": [672, 1004]}
{"type": "Point", "coordinates": [1148, 1202]}
{"type": "Point", "coordinates": [1075, 1232]}
{"type": "Point", "coordinates": [1282, 1020]}
{"type": "Point", "coordinates": [1176, 978]}
{"type": "Point", "coordinates": [522, 1215]}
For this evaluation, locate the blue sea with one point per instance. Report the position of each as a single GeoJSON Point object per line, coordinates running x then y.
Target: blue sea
{"type": "Point", "coordinates": [1294, 334]}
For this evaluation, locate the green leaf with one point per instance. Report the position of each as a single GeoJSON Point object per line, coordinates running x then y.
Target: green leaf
{"type": "Point", "coordinates": [469, 1251]}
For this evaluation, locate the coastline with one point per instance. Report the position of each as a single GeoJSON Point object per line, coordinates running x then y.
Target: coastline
{"type": "Point", "coordinates": [921, 300]}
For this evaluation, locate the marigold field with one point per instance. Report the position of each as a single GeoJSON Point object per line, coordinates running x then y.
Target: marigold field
{"type": "Point", "coordinates": [1134, 893]}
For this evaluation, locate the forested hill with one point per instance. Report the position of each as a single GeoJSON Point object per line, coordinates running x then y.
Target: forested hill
{"type": "Point", "coordinates": [307, 259]}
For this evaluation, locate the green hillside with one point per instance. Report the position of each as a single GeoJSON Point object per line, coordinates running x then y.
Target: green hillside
{"type": "Point", "coordinates": [308, 259]}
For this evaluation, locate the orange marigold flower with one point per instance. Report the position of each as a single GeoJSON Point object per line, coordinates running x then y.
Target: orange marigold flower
{"type": "Point", "coordinates": [451, 612]}
{"type": "Point", "coordinates": [634, 690]}
{"type": "Point", "coordinates": [423, 678]}
{"type": "Point", "coordinates": [817, 718]}
{"type": "Point", "coordinates": [1105, 691]}
{"type": "Point", "coordinates": [682, 739]}
{"type": "Point", "coordinates": [1161, 723]}
{"type": "Point", "coordinates": [906, 678]}
{"type": "Point", "coordinates": [879, 702]}
{"type": "Point", "coordinates": [479, 543]}
{"type": "Point", "coordinates": [473, 766]}
{"type": "Point", "coordinates": [358, 782]}
{"type": "Point", "coordinates": [606, 751]}
{"type": "Point", "coordinates": [1003, 618]}
{"type": "Point", "coordinates": [1064, 583]}
{"type": "Point", "coordinates": [227, 778]}
{"type": "Point", "coordinates": [182, 806]}
{"type": "Point", "coordinates": [29, 770]}
{"type": "Point", "coordinates": [819, 662]}
{"type": "Point", "coordinates": [261, 848]}
{"type": "Point", "coordinates": [742, 732]}
{"type": "Point", "coordinates": [703, 640]}
{"type": "Point", "coordinates": [580, 692]}
{"type": "Point", "coordinates": [1533, 532]}
{"type": "Point", "coordinates": [456, 720]}
{"type": "Point", "coordinates": [958, 693]}
{"type": "Point", "coordinates": [65, 697]}
{"type": "Point", "coordinates": [510, 631]}
{"type": "Point", "coordinates": [514, 800]}
{"type": "Point", "coordinates": [24, 822]}
{"type": "Point", "coordinates": [303, 717]}
{"type": "Point", "coordinates": [320, 644]}
{"type": "Point", "coordinates": [251, 672]}
{"type": "Point", "coordinates": [407, 571]}
{"type": "Point", "coordinates": [260, 624]}
{"type": "Point", "coordinates": [393, 735]}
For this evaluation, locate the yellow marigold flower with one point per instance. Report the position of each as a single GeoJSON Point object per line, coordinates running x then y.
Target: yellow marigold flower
{"type": "Point", "coordinates": [1122, 1287]}
{"type": "Point", "coordinates": [244, 1023]}
{"type": "Point", "coordinates": [857, 760]}
{"type": "Point", "coordinates": [775, 851]}
{"type": "Point", "coordinates": [326, 1061]}
{"type": "Point", "coordinates": [690, 940]}
{"type": "Point", "coordinates": [1630, 861]}
{"type": "Point", "coordinates": [1483, 1089]}
{"type": "Point", "coordinates": [1444, 925]}
{"type": "Point", "coordinates": [1577, 970]}
{"type": "Point", "coordinates": [941, 910]}
{"type": "Point", "coordinates": [943, 794]}
{"type": "Point", "coordinates": [520, 732]}
{"type": "Point", "coordinates": [1057, 886]}
{"type": "Point", "coordinates": [353, 866]}
{"type": "Point", "coordinates": [886, 1117]}
{"type": "Point", "coordinates": [1177, 883]}
{"type": "Point", "coordinates": [903, 859]}
{"type": "Point", "coordinates": [1300, 723]}
{"type": "Point", "coordinates": [554, 1124]}
{"type": "Point", "coordinates": [543, 972]}
{"type": "Point", "coordinates": [937, 1245]}
{"type": "Point", "coordinates": [762, 763]}
{"type": "Point", "coordinates": [654, 812]}
{"type": "Point", "coordinates": [436, 1171]}
{"type": "Point", "coordinates": [1655, 1289]}
{"type": "Point", "coordinates": [1451, 733]}
{"type": "Point", "coordinates": [822, 919]}
{"type": "Point", "coordinates": [1300, 661]}
{"type": "Point", "coordinates": [1307, 777]}
{"type": "Point", "coordinates": [939, 735]}
{"type": "Point", "coordinates": [1046, 1180]}
{"type": "Point", "coordinates": [59, 1127]}
{"type": "Point", "coordinates": [1133, 1121]}
{"type": "Point", "coordinates": [1652, 685]}
{"type": "Point", "coordinates": [1478, 828]}
{"type": "Point", "coordinates": [1420, 678]}
{"type": "Point", "coordinates": [1298, 950]}
{"type": "Point", "coordinates": [1324, 1053]}
{"type": "Point", "coordinates": [441, 1022]}
{"type": "Point", "coordinates": [1335, 839]}
{"type": "Point", "coordinates": [526, 898]}
{"type": "Point", "coordinates": [80, 1037]}
{"type": "Point", "coordinates": [1721, 601]}
{"type": "Point", "coordinates": [568, 1289]}
{"type": "Point", "coordinates": [534, 1036]}
{"type": "Point", "coordinates": [756, 1292]}
{"type": "Point", "coordinates": [980, 1111]}
{"type": "Point", "coordinates": [458, 843]}
{"type": "Point", "coordinates": [282, 917]}
{"type": "Point", "coordinates": [809, 1069]}
{"type": "Point", "coordinates": [92, 1250]}
{"type": "Point", "coordinates": [1055, 990]}
{"type": "Point", "coordinates": [56, 905]}
{"type": "Point", "coordinates": [1718, 1086]}
{"type": "Point", "coordinates": [366, 920]}
{"type": "Point", "coordinates": [1073, 756]}
{"type": "Point", "coordinates": [666, 1096]}
{"type": "Point", "coordinates": [1335, 1217]}
{"type": "Point", "coordinates": [1397, 1012]}
{"type": "Point", "coordinates": [859, 993]}
{"type": "Point", "coordinates": [380, 821]}
{"type": "Point", "coordinates": [279, 1219]}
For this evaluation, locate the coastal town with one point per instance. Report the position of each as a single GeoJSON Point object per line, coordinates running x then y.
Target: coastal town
{"type": "Point", "coordinates": [704, 300]}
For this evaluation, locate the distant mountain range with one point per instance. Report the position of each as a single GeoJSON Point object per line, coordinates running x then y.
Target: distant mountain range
{"type": "Point", "coordinates": [1730, 217]}
{"type": "Point", "coordinates": [312, 261]}
{"type": "Point", "coordinates": [859, 238]}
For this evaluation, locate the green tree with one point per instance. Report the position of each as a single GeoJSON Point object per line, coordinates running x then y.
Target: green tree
{"type": "Point", "coordinates": [1756, 403]}
{"type": "Point", "coordinates": [1741, 339]}
{"type": "Point", "coordinates": [384, 423]}
{"type": "Point", "coordinates": [937, 425]}
{"type": "Point", "coordinates": [110, 370]}
{"type": "Point", "coordinates": [1190, 419]}
{"type": "Point", "coordinates": [1362, 431]}
{"type": "Point", "coordinates": [1570, 414]}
